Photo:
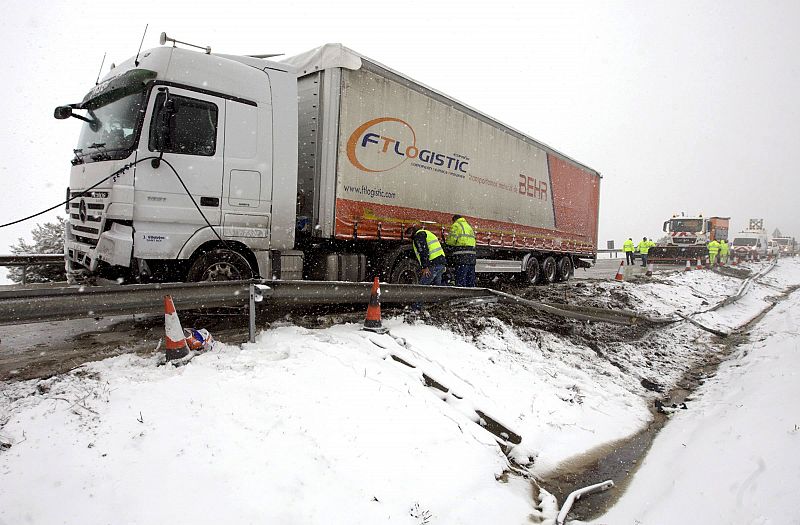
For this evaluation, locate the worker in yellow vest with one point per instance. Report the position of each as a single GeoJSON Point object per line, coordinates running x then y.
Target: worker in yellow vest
{"type": "Point", "coordinates": [644, 247]}
{"type": "Point", "coordinates": [430, 255]}
{"type": "Point", "coordinates": [463, 255]}
{"type": "Point", "coordinates": [628, 248]}
{"type": "Point", "coordinates": [713, 250]}
{"type": "Point", "coordinates": [724, 250]}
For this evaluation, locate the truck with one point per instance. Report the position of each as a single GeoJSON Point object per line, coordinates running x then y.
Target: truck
{"type": "Point", "coordinates": [753, 243]}
{"type": "Point", "coordinates": [195, 166]}
{"type": "Point", "coordinates": [687, 237]}
{"type": "Point", "coordinates": [787, 246]}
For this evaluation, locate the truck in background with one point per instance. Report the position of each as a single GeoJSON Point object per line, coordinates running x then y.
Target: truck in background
{"type": "Point", "coordinates": [314, 167]}
{"type": "Point", "coordinates": [787, 246]}
{"type": "Point", "coordinates": [752, 243]}
{"type": "Point", "coordinates": [687, 238]}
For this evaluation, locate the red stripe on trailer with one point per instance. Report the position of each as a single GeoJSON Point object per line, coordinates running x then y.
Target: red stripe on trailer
{"type": "Point", "coordinates": [364, 220]}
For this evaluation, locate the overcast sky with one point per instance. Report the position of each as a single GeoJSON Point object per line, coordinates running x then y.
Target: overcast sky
{"type": "Point", "coordinates": [682, 106]}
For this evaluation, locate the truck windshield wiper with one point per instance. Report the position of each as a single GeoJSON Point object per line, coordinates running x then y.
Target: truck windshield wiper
{"type": "Point", "coordinates": [77, 160]}
{"type": "Point", "coordinates": [101, 154]}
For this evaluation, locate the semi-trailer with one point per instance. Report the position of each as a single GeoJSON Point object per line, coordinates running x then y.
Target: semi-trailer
{"type": "Point", "coordinates": [196, 166]}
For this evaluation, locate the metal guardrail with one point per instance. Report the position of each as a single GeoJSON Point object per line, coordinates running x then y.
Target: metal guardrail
{"type": "Point", "coordinates": [75, 302]}
{"type": "Point", "coordinates": [613, 252]}
{"type": "Point", "coordinates": [30, 259]}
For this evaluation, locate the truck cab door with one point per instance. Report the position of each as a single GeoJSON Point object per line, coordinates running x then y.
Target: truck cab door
{"type": "Point", "coordinates": [187, 129]}
{"type": "Point", "coordinates": [247, 179]}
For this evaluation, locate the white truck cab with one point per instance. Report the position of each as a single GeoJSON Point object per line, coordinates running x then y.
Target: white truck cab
{"type": "Point", "coordinates": [186, 160]}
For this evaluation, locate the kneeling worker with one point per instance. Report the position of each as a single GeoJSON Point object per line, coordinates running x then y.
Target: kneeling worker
{"type": "Point", "coordinates": [430, 255]}
{"type": "Point", "coordinates": [462, 238]}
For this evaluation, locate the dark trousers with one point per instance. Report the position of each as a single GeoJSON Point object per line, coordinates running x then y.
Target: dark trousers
{"type": "Point", "coordinates": [465, 275]}
{"type": "Point", "coordinates": [629, 258]}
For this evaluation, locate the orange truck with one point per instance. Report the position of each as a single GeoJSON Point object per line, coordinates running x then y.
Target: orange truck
{"type": "Point", "coordinates": [687, 238]}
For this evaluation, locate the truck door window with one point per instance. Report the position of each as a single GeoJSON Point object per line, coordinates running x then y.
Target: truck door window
{"type": "Point", "coordinates": [191, 129]}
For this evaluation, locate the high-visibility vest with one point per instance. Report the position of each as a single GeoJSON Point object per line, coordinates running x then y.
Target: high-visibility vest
{"type": "Point", "coordinates": [713, 247]}
{"type": "Point", "coordinates": [434, 247]}
{"type": "Point", "coordinates": [724, 249]}
{"type": "Point", "coordinates": [461, 234]}
{"type": "Point", "coordinates": [627, 246]}
{"type": "Point", "coordinates": [644, 247]}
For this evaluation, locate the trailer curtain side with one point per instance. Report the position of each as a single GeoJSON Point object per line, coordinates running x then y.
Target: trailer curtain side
{"type": "Point", "coordinates": [379, 151]}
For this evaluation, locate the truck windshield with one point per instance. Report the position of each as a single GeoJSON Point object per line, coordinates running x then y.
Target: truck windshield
{"type": "Point", "coordinates": [114, 128]}
{"type": "Point", "coordinates": [743, 241]}
{"type": "Point", "coordinates": [687, 225]}
{"type": "Point", "coordinates": [782, 242]}
{"type": "Point", "coordinates": [116, 110]}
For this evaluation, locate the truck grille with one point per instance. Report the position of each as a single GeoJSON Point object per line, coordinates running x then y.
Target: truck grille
{"type": "Point", "coordinates": [86, 216]}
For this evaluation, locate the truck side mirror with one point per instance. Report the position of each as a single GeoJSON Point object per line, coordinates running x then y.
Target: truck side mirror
{"type": "Point", "coordinates": [62, 112]}
{"type": "Point", "coordinates": [664, 228]}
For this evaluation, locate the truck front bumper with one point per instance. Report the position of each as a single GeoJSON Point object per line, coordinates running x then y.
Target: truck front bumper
{"type": "Point", "coordinates": [114, 247]}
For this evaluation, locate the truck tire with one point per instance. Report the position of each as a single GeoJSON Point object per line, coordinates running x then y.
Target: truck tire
{"type": "Point", "coordinates": [564, 269]}
{"type": "Point", "coordinates": [549, 270]}
{"type": "Point", "coordinates": [220, 265]}
{"type": "Point", "coordinates": [406, 271]}
{"type": "Point", "coordinates": [533, 270]}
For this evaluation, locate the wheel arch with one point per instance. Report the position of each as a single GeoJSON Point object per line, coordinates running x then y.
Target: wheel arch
{"type": "Point", "coordinates": [236, 246]}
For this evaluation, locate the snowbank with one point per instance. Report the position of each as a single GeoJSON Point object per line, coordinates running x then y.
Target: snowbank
{"type": "Point", "coordinates": [731, 458]}
{"type": "Point", "coordinates": [325, 426]}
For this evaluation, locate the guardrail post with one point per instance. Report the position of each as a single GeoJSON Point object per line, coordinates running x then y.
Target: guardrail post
{"type": "Point", "coordinates": [24, 275]}
{"type": "Point", "coordinates": [252, 313]}
{"type": "Point", "coordinates": [257, 294]}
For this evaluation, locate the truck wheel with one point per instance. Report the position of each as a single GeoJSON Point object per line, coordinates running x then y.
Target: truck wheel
{"type": "Point", "coordinates": [406, 271]}
{"type": "Point", "coordinates": [533, 271]}
{"type": "Point", "coordinates": [549, 270]}
{"type": "Point", "coordinates": [220, 265]}
{"type": "Point", "coordinates": [564, 270]}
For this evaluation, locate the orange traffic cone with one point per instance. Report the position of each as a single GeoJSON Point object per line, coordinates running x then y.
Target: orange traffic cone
{"type": "Point", "coordinates": [699, 264]}
{"type": "Point", "coordinates": [735, 261]}
{"type": "Point", "coordinates": [649, 271]}
{"type": "Point", "coordinates": [688, 266]}
{"type": "Point", "coordinates": [176, 346]}
{"type": "Point", "coordinates": [373, 320]}
{"type": "Point", "coordinates": [619, 276]}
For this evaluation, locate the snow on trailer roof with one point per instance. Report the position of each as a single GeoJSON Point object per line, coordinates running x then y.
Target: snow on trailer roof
{"type": "Point", "coordinates": [331, 56]}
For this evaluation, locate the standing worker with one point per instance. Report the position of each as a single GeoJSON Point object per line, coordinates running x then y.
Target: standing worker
{"type": "Point", "coordinates": [713, 250]}
{"type": "Point", "coordinates": [463, 257]}
{"type": "Point", "coordinates": [430, 255]}
{"type": "Point", "coordinates": [644, 247]}
{"type": "Point", "coordinates": [724, 250]}
{"type": "Point", "coordinates": [628, 248]}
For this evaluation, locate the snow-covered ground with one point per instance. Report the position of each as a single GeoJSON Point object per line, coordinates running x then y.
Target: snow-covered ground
{"type": "Point", "coordinates": [733, 458]}
{"type": "Point", "coordinates": [325, 426]}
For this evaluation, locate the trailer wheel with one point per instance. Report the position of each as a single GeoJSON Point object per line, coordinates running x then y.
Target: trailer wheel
{"type": "Point", "coordinates": [406, 271]}
{"type": "Point", "coordinates": [533, 271]}
{"type": "Point", "coordinates": [564, 270]}
{"type": "Point", "coordinates": [549, 270]}
{"type": "Point", "coordinates": [220, 265]}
